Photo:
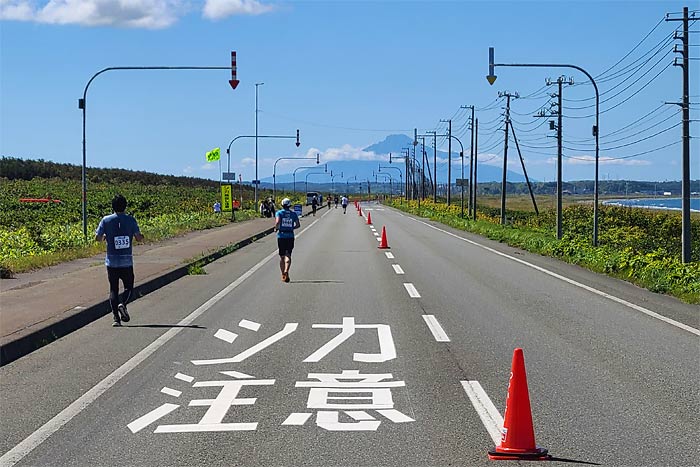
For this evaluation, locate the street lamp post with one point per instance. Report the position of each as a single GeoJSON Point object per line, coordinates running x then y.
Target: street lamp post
{"type": "Point", "coordinates": [461, 156]}
{"type": "Point", "coordinates": [306, 179]}
{"type": "Point", "coordinates": [491, 77]}
{"type": "Point", "coordinates": [390, 167]}
{"type": "Point", "coordinates": [332, 181]}
{"type": "Point", "coordinates": [82, 105]}
{"type": "Point", "coordinates": [294, 174]}
{"type": "Point", "coordinates": [347, 184]}
{"type": "Point", "coordinates": [228, 149]}
{"type": "Point", "coordinates": [257, 181]}
{"type": "Point", "coordinates": [274, 172]}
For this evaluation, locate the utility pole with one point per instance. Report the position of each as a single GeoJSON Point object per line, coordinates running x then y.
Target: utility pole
{"type": "Point", "coordinates": [505, 153]}
{"type": "Point", "coordinates": [449, 160]}
{"type": "Point", "coordinates": [471, 158]}
{"type": "Point", "coordinates": [476, 157]}
{"type": "Point", "coordinates": [434, 133]}
{"type": "Point", "coordinates": [685, 105]}
{"type": "Point", "coordinates": [558, 127]}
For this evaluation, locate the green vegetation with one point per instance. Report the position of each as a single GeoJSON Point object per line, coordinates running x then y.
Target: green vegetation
{"type": "Point", "coordinates": [35, 235]}
{"type": "Point", "coordinates": [637, 245]}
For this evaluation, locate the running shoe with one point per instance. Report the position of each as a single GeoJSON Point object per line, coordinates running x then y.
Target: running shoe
{"type": "Point", "coordinates": [123, 313]}
{"type": "Point", "coordinates": [285, 278]}
{"type": "Point", "coordinates": [116, 323]}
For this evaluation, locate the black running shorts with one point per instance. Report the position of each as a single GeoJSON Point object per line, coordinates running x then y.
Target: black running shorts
{"type": "Point", "coordinates": [285, 245]}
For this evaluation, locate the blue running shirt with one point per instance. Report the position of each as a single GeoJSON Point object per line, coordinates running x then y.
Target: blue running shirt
{"type": "Point", "coordinates": [287, 219]}
{"type": "Point", "coordinates": [120, 230]}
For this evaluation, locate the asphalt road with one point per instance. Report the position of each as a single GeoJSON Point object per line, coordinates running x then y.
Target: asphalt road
{"type": "Point", "coordinates": [340, 366]}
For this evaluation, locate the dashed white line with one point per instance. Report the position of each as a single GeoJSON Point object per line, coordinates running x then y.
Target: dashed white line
{"type": "Point", "coordinates": [397, 269]}
{"type": "Point", "coordinates": [411, 289]}
{"type": "Point", "coordinates": [434, 326]}
{"type": "Point", "coordinates": [572, 282]}
{"type": "Point", "coordinates": [251, 325]}
{"type": "Point", "coordinates": [490, 417]}
{"type": "Point", "coordinates": [171, 392]}
{"type": "Point", "coordinates": [226, 336]}
{"type": "Point", "coordinates": [183, 377]}
{"type": "Point", "coordinates": [389, 254]}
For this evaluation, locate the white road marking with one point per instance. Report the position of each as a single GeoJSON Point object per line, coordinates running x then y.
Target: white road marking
{"type": "Point", "coordinates": [200, 427]}
{"type": "Point", "coordinates": [376, 234]}
{"type": "Point", "coordinates": [359, 415]}
{"type": "Point", "coordinates": [236, 374]}
{"type": "Point", "coordinates": [621, 301]}
{"type": "Point", "coordinates": [142, 422]}
{"type": "Point", "coordinates": [435, 328]}
{"type": "Point", "coordinates": [171, 392]}
{"type": "Point", "coordinates": [411, 289]}
{"type": "Point", "coordinates": [297, 419]}
{"type": "Point", "coordinates": [183, 377]}
{"type": "Point", "coordinates": [252, 325]}
{"type": "Point", "coordinates": [389, 254]}
{"type": "Point", "coordinates": [490, 416]}
{"type": "Point", "coordinates": [29, 443]}
{"type": "Point", "coordinates": [395, 416]}
{"type": "Point", "coordinates": [379, 239]}
{"type": "Point", "coordinates": [225, 335]}
{"type": "Point", "coordinates": [397, 269]}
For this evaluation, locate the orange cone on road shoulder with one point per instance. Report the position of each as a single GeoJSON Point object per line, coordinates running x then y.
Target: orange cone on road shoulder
{"type": "Point", "coordinates": [518, 436]}
{"type": "Point", "coordinates": [359, 211]}
{"type": "Point", "coordinates": [369, 218]}
{"type": "Point", "coordinates": [383, 243]}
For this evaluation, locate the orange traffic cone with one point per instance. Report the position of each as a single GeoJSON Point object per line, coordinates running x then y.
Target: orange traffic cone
{"type": "Point", "coordinates": [369, 218]}
{"type": "Point", "coordinates": [359, 211]}
{"type": "Point", "coordinates": [518, 436]}
{"type": "Point", "coordinates": [383, 244]}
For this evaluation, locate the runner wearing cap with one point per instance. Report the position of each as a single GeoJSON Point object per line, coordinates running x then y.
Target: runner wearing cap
{"type": "Point", "coordinates": [286, 221]}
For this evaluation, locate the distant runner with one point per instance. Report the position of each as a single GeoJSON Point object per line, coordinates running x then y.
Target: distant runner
{"type": "Point", "coordinates": [314, 204]}
{"type": "Point", "coordinates": [118, 230]}
{"type": "Point", "coordinates": [344, 202]}
{"type": "Point", "coordinates": [286, 221]}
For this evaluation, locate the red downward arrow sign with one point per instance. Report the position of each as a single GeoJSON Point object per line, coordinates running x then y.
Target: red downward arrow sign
{"type": "Point", "coordinates": [233, 83]}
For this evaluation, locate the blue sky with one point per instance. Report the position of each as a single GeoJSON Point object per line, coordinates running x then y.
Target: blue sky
{"type": "Point", "coordinates": [347, 74]}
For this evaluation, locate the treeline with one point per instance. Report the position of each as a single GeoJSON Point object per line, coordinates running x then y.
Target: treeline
{"type": "Point", "coordinates": [586, 187]}
{"type": "Point", "coordinates": [13, 168]}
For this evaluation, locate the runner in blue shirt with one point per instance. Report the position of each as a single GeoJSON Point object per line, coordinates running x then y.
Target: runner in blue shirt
{"type": "Point", "coordinates": [286, 221]}
{"type": "Point", "coordinates": [119, 229]}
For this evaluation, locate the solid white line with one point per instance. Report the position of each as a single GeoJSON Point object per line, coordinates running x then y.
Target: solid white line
{"type": "Point", "coordinates": [251, 325]}
{"type": "Point", "coordinates": [641, 309]}
{"type": "Point", "coordinates": [411, 289]}
{"type": "Point", "coordinates": [226, 336]}
{"type": "Point", "coordinates": [389, 254]}
{"type": "Point", "coordinates": [490, 416]}
{"type": "Point", "coordinates": [397, 269]}
{"type": "Point", "coordinates": [142, 422]}
{"type": "Point", "coordinates": [26, 446]}
{"type": "Point", "coordinates": [434, 326]}
{"type": "Point", "coordinates": [171, 392]}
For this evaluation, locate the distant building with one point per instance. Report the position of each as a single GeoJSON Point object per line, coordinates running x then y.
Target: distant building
{"type": "Point", "coordinates": [667, 193]}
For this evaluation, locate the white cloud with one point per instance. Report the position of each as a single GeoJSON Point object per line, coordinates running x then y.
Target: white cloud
{"type": "Point", "coordinates": [15, 10]}
{"type": "Point", "coordinates": [210, 166]}
{"type": "Point", "coordinates": [590, 160]}
{"type": "Point", "coordinates": [247, 161]}
{"type": "Point", "coordinates": [187, 170]}
{"type": "Point", "coordinates": [219, 9]}
{"type": "Point", "coordinates": [346, 153]}
{"type": "Point", "coordinates": [149, 14]}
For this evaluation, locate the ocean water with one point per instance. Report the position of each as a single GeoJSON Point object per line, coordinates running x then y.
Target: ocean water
{"type": "Point", "coordinates": [655, 203]}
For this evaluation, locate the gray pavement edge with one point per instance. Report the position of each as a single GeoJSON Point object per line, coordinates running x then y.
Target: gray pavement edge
{"type": "Point", "coordinates": [27, 344]}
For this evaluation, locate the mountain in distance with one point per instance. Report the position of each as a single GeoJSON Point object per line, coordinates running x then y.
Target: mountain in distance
{"type": "Point", "coordinates": [364, 169]}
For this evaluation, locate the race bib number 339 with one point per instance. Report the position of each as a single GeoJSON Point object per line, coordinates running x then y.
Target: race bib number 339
{"type": "Point", "coordinates": [121, 242]}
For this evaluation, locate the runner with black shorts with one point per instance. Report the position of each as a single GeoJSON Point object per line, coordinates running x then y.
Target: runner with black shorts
{"type": "Point", "coordinates": [286, 221]}
{"type": "Point", "coordinates": [119, 229]}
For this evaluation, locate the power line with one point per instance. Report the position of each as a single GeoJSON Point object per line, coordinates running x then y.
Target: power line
{"type": "Point", "coordinates": [628, 156]}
